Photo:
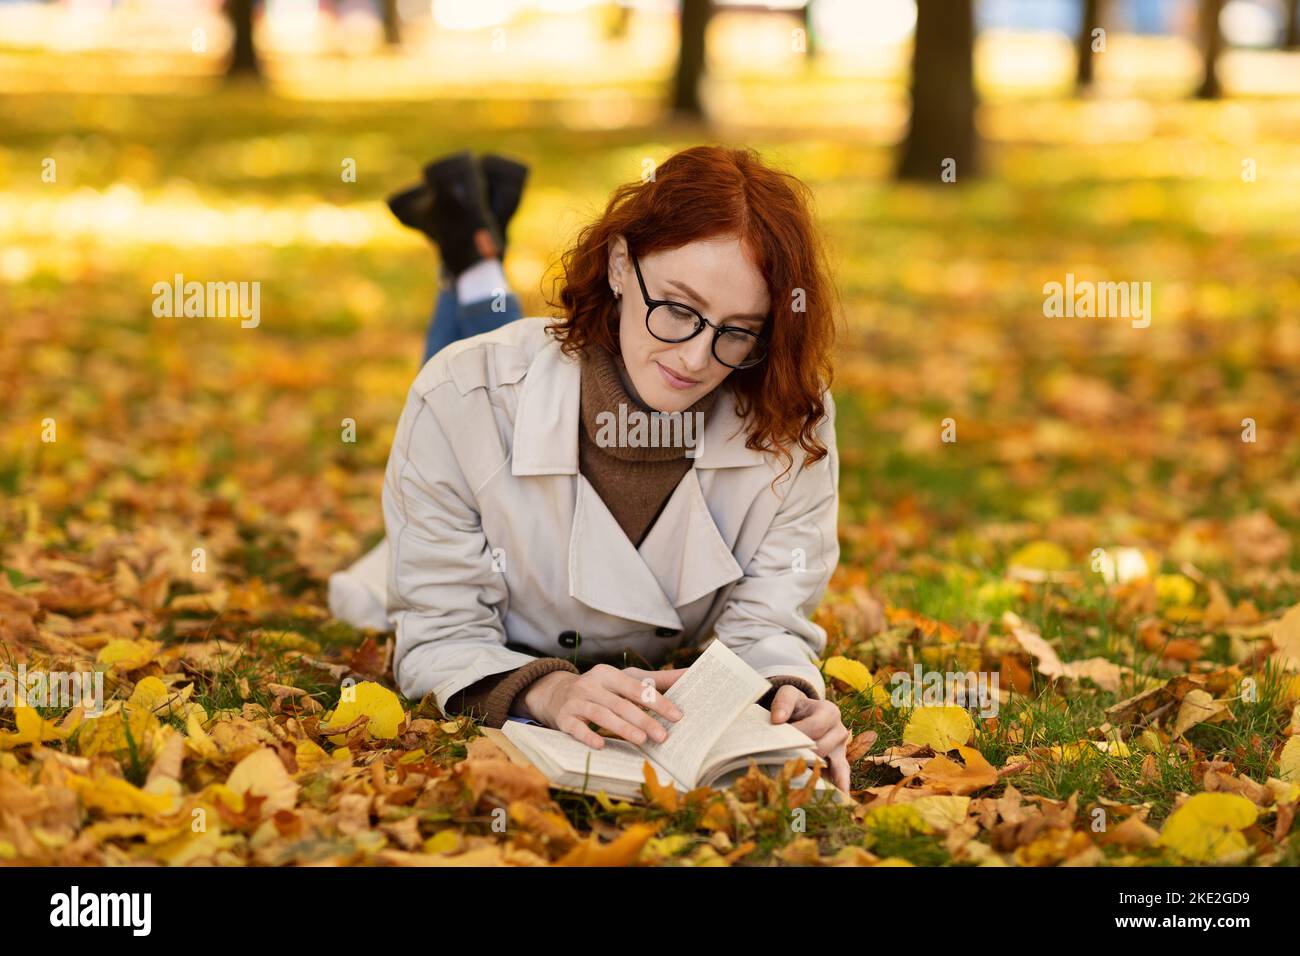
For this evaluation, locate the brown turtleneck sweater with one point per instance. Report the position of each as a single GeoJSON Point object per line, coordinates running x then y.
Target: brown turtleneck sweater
{"type": "Point", "coordinates": [634, 483]}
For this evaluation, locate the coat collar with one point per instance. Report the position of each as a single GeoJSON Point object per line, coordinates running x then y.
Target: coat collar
{"type": "Point", "coordinates": [682, 558]}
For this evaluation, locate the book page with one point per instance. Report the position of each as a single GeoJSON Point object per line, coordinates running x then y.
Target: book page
{"type": "Point", "coordinates": [753, 733]}
{"type": "Point", "coordinates": [554, 750]}
{"type": "Point", "coordinates": [711, 694]}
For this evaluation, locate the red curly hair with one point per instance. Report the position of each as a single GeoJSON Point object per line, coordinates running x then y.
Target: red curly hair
{"type": "Point", "coordinates": [707, 192]}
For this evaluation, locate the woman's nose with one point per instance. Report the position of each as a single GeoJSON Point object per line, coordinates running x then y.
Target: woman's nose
{"type": "Point", "coordinates": [697, 352]}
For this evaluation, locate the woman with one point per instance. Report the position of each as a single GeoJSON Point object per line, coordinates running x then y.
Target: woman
{"type": "Point", "coordinates": [565, 498]}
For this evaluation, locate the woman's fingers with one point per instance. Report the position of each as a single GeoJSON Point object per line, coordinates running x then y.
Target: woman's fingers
{"type": "Point", "coordinates": [633, 714]}
{"type": "Point", "coordinates": [642, 690]}
{"type": "Point", "coordinates": [840, 769]}
{"type": "Point", "coordinates": [600, 714]}
{"type": "Point", "coordinates": [577, 728]}
{"type": "Point", "coordinates": [785, 702]}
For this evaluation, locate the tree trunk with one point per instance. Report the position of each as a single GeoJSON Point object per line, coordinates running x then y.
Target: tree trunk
{"type": "Point", "coordinates": [1091, 21]}
{"type": "Point", "coordinates": [618, 19]}
{"type": "Point", "coordinates": [1211, 46]}
{"type": "Point", "coordinates": [943, 93]}
{"type": "Point", "coordinates": [1291, 37]}
{"type": "Point", "coordinates": [690, 60]}
{"type": "Point", "coordinates": [243, 61]}
{"type": "Point", "coordinates": [810, 50]}
{"type": "Point", "coordinates": [392, 23]}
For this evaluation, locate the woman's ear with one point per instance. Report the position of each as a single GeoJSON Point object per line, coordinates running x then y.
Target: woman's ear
{"type": "Point", "coordinates": [619, 265]}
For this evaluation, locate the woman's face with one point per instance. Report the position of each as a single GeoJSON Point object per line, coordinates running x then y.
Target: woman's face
{"type": "Point", "coordinates": [712, 275]}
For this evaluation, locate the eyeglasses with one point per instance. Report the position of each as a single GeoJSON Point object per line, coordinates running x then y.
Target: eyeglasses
{"type": "Point", "coordinates": [675, 322]}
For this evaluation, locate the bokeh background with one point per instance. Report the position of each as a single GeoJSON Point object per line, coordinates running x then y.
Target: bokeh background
{"type": "Point", "coordinates": [211, 140]}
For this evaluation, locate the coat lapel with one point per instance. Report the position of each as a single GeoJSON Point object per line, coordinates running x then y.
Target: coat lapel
{"type": "Point", "coordinates": [684, 556]}
{"type": "Point", "coordinates": [684, 550]}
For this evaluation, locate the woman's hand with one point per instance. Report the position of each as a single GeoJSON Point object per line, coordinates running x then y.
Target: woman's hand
{"type": "Point", "coordinates": [820, 720]}
{"type": "Point", "coordinates": [608, 697]}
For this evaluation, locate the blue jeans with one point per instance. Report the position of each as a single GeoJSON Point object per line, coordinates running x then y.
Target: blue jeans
{"type": "Point", "coordinates": [452, 321]}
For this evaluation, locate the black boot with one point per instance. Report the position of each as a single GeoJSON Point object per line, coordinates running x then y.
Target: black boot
{"type": "Point", "coordinates": [460, 214]}
{"type": "Point", "coordinates": [505, 187]}
{"type": "Point", "coordinates": [412, 207]}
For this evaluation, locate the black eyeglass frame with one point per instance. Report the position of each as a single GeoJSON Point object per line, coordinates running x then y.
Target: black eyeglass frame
{"type": "Point", "coordinates": [651, 304]}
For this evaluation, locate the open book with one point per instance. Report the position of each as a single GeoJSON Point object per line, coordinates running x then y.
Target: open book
{"type": "Point", "coordinates": [722, 729]}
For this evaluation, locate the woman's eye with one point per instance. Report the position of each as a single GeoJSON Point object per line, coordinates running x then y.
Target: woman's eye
{"type": "Point", "coordinates": [681, 313]}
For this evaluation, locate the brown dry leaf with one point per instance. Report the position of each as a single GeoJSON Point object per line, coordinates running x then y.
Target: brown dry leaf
{"type": "Point", "coordinates": [74, 594]}
{"type": "Point", "coordinates": [1257, 539]}
{"type": "Point", "coordinates": [262, 774]}
{"type": "Point", "coordinates": [662, 795]}
{"type": "Point", "coordinates": [502, 780]}
{"type": "Point", "coordinates": [951, 777]}
{"type": "Point", "coordinates": [1133, 833]}
{"type": "Point", "coordinates": [622, 851]}
{"type": "Point", "coordinates": [1286, 640]}
{"type": "Point", "coordinates": [1199, 707]}
{"type": "Point", "coordinates": [860, 744]}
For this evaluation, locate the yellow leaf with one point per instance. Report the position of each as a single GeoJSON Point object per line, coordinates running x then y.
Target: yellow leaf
{"type": "Point", "coordinates": [609, 806]}
{"type": "Point", "coordinates": [1175, 590]}
{"type": "Point", "coordinates": [116, 734]}
{"type": "Point", "coordinates": [149, 694]}
{"type": "Point", "coordinates": [1207, 828]}
{"type": "Point", "coordinates": [115, 796]}
{"type": "Point", "coordinates": [444, 841]}
{"type": "Point", "coordinates": [941, 812]}
{"type": "Point", "coordinates": [1289, 761]}
{"type": "Point", "coordinates": [196, 737]}
{"type": "Point", "coordinates": [940, 728]}
{"type": "Point", "coordinates": [856, 675]}
{"type": "Point", "coordinates": [369, 700]}
{"type": "Point", "coordinates": [262, 774]}
{"type": "Point", "coordinates": [310, 755]}
{"type": "Point", "coordinates": [1041, 556]}
{"type": "Point", "coordinates": [32, 729]}
{"type": "Point", "coordinates": [851, 672]}
{"type": "Point", "coordinates": [124, 656]}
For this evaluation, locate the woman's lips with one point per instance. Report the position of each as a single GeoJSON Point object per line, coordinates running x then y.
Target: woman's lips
{"type": "Point", "coordinates": [674, 380]}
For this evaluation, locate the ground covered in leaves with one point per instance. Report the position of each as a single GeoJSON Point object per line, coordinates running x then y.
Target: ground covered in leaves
{"type": "Point", "coordinates": [1103, 533]}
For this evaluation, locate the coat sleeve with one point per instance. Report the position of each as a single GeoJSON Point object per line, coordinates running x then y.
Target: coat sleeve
{"type": "Point", "coordinates": [767, 619]}
{"type": "Point", "coordinates": [446, 601]}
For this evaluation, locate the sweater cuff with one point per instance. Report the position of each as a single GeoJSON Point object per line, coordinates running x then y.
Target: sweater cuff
{"type": "Point", "coordinates": [779, 682]}
{"type": "Point", "coordinates": [491, 697]}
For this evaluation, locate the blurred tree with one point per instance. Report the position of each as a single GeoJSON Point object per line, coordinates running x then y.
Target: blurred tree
{"type": "Point", "coordinates": [695, 16]}
{"type": "Point", "coordinates": [1091, 21]}
{"type": "Point", "coordinates": [243, 60]}
{"type": "Point", "coordinates": [1291, 35]}
{"type": "Point", "coordinates": [943, 93]}
{"type": "Point", "coordinates": [1211, 47]}
{"type": "Point", "coordinates": [392, 23]}
{"type": "Point", "coordinates": [617, 18]}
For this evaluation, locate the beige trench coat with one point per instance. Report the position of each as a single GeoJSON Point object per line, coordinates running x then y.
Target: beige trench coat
{"type": "Point", "coordinates": [495, 536]}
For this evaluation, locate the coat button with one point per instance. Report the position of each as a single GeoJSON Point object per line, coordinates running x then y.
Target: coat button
{"type": "Point", "coordinates": [666, 632]}
{"type": "Point", "coordinates": [569, 639]}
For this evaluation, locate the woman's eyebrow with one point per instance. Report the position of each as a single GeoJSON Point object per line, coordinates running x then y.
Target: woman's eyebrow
{"type": "Point", "coordinates": [752, 316]}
